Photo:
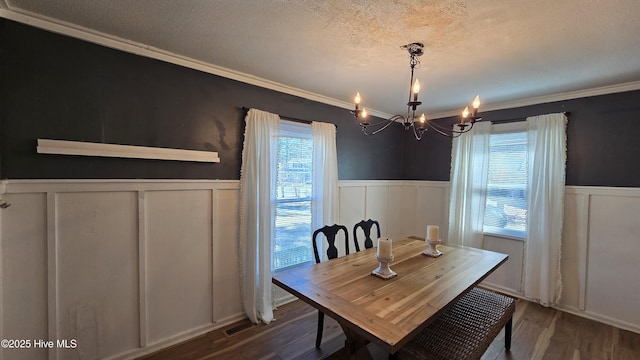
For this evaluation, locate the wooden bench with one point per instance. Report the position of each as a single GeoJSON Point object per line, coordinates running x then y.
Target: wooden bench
{"type": "Point", "coordinates": [465, 330]}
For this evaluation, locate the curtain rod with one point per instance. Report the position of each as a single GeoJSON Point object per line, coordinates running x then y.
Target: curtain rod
{"type": "Point", "coordinates": [308, 122]}
{"type": "Point", "coordinates": [504, 121]}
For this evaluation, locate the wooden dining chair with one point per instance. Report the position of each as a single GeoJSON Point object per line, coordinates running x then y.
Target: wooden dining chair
{"type": "Point", "coordinates": [329, 233]}
{"type": "Point", "coordinates": [366, 228]}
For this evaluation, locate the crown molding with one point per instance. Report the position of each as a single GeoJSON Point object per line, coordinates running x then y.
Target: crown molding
{"type": "Point", "coordinates": [89, 35]}
{"type": "Point", "coordinates": [141, 49]}
{"type": "Point", "coordinates": [603, 90]}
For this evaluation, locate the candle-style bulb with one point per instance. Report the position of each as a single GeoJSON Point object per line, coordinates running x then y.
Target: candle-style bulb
{"type": "Point", "coordinates": [465, 113]}
{"type": "Point", "coordinates": [363, 114]}
{"type": "Point", "coordinates": [416, 87]}
{"type": "Point", "coordinates": [476, 102]}
{"type": "Point", "coordinates": [423, 118]}
{"type": "Point", "coordinates": [357, 98]}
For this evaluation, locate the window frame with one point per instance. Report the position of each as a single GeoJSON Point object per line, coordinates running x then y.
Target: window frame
{"type": "Point", "coordinates": [493, 231]}
{"type": "Point", "coordinates": [293, 129]}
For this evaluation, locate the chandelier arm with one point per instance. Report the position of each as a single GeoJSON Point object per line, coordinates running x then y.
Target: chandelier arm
{"type": "Point", "coordinates": [386, 124]}
{"type": "Point", "coordinates": [419, 125]}
{"type": "Point", "coordinates": [434, 125]}
{"type": "Point", "coordinates": [415, 133]}
{"type": "Point", "coordinates": [445, 132]}
{"type": "Point", "coordinates": [382, 128]}
{"type": "Point", "coordinates": [439, 130]}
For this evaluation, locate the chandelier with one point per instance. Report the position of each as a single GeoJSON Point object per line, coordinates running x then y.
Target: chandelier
{"type": "Point", "coordinates": [418, 124]}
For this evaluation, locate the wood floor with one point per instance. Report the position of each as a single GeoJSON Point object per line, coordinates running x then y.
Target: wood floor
{"type": "Point", "coordinates": [538, 333]}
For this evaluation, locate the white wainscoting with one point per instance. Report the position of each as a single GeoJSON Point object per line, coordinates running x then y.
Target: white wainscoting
{"type": "Point", "coordinates": [123, 267]}
{"type": "Point", "coordinates": [600, 252]}
{"type": "Point", "coordinates": [601, 248]}
{"type": "Point", "coordinates": [403, 208]}
{"type": "Point", "coordinates": [128, 266]}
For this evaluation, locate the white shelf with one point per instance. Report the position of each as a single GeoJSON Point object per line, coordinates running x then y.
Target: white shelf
{"type": "Point", "coordinates": [64, 147]}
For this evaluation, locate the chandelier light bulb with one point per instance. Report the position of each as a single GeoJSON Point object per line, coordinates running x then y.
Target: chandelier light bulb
{"type": "Point", "coordinates": [476, 102]}
{"type": "Point", "coordinates": [416, 87]}
{"type": "Point", "coordinates": [465, 113]}
{"type": "Point", "coordinates": [411, 121]}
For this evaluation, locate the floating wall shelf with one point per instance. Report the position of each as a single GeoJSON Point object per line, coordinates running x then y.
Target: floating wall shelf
{"type": "Point", "coordinates": [65, 147]}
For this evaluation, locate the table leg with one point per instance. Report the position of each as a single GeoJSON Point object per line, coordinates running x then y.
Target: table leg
{"type": "Point", "coordinates": [355, 345]}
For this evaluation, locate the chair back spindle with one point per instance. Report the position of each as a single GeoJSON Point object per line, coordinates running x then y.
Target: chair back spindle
{"type": "Point", "coordinates": [330, 233]}
{"type": "Point", "coordinates": [366, 228]}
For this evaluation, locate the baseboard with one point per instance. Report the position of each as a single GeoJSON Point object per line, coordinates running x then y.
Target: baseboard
{"type": "Point", "coordinates": [599, 318]}
{"type": "Point", "coordinates": [177, 339]}
{"type": "Point", "coordinates": [568, 309]}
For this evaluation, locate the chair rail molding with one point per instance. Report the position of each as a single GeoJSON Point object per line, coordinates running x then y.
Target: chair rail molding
{"type": "Point", "coordinates": [66, 147]}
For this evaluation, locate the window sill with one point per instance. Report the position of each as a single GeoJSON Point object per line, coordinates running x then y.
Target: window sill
{"type": "Point", "coordinates": [307, 263]}
{"type": "Point", "coordinates": [503, 235]}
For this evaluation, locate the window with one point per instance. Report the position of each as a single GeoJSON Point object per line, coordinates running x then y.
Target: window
{"type": "Point", "coordinates": [292, 243]}
{"type": "Point", "coordinates": [506, 207]}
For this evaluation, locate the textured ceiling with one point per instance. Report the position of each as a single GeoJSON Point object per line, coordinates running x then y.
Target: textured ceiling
{"type": "Point", "coordinates": [504, 50]}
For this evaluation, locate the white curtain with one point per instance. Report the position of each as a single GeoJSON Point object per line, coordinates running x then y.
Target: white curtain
{"type": "Point", "coordinates": [469, 175]}
{"type": "Point", "coordinates": [258, 202]}
{"type": "Point", "coordinates": [325, 175]}
{"type": "Point", "coordinates": [257, 207]}
{"type": "Point", "coordinates": [546, 137]}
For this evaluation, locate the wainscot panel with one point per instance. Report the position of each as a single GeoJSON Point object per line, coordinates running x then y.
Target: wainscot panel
{"type": "Point", "coordinates": [122, 267]}
{"type": "Point", "coordinates": [403, 208]}
{"type": "Point", "coordinates": [157, 260]}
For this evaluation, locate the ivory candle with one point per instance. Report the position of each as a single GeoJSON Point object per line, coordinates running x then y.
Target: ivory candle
{"type": "Point", "coordinates": [433, 232]}
{"type": "Point", "coordinates": [384, 248]}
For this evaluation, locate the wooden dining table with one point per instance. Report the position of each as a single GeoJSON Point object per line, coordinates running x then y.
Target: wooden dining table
{"type": "Point", "coordinates": [389, 312]}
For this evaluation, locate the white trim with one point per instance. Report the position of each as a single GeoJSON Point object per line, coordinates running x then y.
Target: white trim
{"type": "Point", "coordinates": [75, 185]}
{"type": "Point", "coordinates": [516, 126]}
{"type": "Point", "coordinates": [178, 338]}
{"type": "Point", "coordinates": [603, 190]}
{"type": "Point", "coordinates": [600, 318]}
{"type": "Point", "coordinates": [502, 233]}
{"type": "Point", "coordinates": [569, 309]}
{"type": "Point", "coordinates": [51, 188]}
{"type": "Point", "coordinates": [86, 34]}
{"type": "Point", "coordinates": [52, 273]}
{"type": "Point", "coordinates": [143, 315]}
{"type": "Point", "coordinates": [89, 185]}
{"type": "Point", "coordinates": [65, 147]}
{"type": "Point", "coordinates": [423, 183]}
{"type": "Point", "coordinates": [1, 273]}
{"type": "Point", "coordinates": [168, 342]}
{"type": "Point", "coordinates": [583, 249]}
{"type": "Point", "coordinates": [294, 129]}
{"type": "Point", "coordinates": [568, 95]}
{"type": "Point", "coordinates": [215, 237]}
{"type": "Point", "coordinates": [132, 47]}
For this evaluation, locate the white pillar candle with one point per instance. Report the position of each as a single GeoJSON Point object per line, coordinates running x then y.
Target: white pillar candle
{"type": "Point", "coordinates": [384, 248]}
{"type": "Point", "coordinates": [433, 232]}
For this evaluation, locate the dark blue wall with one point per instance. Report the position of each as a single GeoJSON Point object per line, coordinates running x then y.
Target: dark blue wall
{"type": "Point", "coordinates": [602, 141]}
{"type": "Point", "coordinates": [57, 87]}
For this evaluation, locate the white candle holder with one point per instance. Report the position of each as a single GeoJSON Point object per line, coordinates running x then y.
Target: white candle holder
{"type": "Point", "coordinates": [432, 250]}
{"type": "Point", "coordinates": [383, 270]}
